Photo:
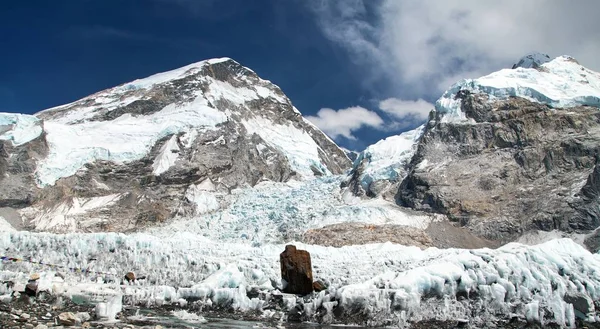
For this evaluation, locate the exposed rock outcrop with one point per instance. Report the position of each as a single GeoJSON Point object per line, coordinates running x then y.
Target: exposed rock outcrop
{"type": "Point", "coordinates": [518, 166]}
{"type": "Point", "coordinates": [339, 235]}
{"type": "Point", "coordinates": [296, 270]}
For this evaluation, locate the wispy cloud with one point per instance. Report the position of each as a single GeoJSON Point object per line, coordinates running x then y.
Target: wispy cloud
{"type": "Point", "coordinates": [346, 121]}
{"type": "Point", "coordinates": [406, 113]}
{"type": "Point", "coordinates": [400, 114]}
{"type": "Point", "coordinates": [421, 47]}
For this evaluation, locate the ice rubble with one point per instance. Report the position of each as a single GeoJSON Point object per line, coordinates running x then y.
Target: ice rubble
{"type": "Point", "coordinates": [378, 283]}
{"type": "Point", "coordinates": [275, 212]}
{"type": "Point", "coordinates": [19, 128]}
{"type": "Point", "coordinates": [559, 83]}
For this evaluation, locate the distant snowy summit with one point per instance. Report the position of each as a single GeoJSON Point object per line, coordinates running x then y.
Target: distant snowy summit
{"type": "Point", "coordinates": [559, 83]}
{"type": "Point", "coordinates": [532, 61]}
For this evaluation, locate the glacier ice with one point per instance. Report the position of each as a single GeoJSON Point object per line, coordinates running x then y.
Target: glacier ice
{"type": "Point", "coordinates": [19, 128]}
{"type": "Point", "coordinates": [559, 83]}
{"type": "Point", "coordinates": [386, 159]}
{"type": "Point", "coordinates": [384, 283]}
{"type": "Point", "coordinates": [275, 212]}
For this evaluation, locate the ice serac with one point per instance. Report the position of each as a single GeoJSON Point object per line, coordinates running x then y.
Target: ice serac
{"type": "Point", "coordinates": [151, 141]}
{"type": "Point", "coordinates": [513, 152]}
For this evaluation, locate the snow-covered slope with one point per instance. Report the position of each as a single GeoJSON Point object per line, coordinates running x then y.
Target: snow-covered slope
{"type": "Point", "coordinates": [560, 83]}
{"type": "Point", "coordinates": [100, 127]}
{"type": "Point", "coordinates": [387, 159]}
{"type": "Point", "coordinates": [150, 141]}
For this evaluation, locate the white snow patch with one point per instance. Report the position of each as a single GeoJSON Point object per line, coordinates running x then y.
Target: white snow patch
{"type": "Point", "coordinates": [265, 92]}
{"type": "Point", "coordinates": [224, 90]}
{"type": "Point", "coordinates": [19, 128]}
{"type": "Point", "coordinates": [175, 74]}
{"type": "Point", "coordinates": [124, 139]}
{"type": "Point", "coordinates": [65, 216]}
{"type": "Point", "coordinates": [167, 156]}
{"type": "Point", "coordinates": [559, 83]}
{"type": "Point", "coordinates": [5, 226]}
{"type": "Point", "coordinates": [297, 145]}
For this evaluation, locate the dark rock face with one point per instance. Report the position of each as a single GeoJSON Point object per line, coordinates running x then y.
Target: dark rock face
{"type": "Point", "coordinates": [582, 304]}
{"type": "Point", "coordinates": [17, 163]}
{"type": "Point", "coordinates": [296, 270]}
{"type": "Point", "coordinates": [520, 166]}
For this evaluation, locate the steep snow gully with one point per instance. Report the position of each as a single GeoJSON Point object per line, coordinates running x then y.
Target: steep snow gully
{"type": "Point", "coordinates": [228, 257]}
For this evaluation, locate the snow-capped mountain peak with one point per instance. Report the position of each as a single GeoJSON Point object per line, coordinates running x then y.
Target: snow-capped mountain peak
{"type": "Point", "coordinates": [559, 83]}
{"type": "Point", "coordinates": [532, 60]}
{"type": "Point", "coordinates": [213, 119]}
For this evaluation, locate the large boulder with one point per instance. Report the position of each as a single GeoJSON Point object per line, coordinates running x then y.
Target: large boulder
{"type": "Point", "coordinates": [296, 270]}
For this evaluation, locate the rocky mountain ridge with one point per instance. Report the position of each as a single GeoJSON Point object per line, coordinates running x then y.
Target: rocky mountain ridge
{"type": "Point", "coordinates": [505, 155]}
{"type": "Point", "coordinates": [146, 151]}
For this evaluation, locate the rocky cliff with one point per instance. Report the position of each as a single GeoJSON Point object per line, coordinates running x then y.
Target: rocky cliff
{"type": "Point", "coordinates": [503, 156]}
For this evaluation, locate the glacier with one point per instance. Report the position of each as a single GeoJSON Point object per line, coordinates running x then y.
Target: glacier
{"type": "Point", "coordinates": [375, 284]}
{"type": "Point", "coordinates": [274, 212]}
{"type": "Point", "coordinates": [559, 83]}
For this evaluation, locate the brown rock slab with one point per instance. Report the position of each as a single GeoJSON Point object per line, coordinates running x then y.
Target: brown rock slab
{"type": "Point", "coordinates": [319, 286]}
{"type": "Point", "coordinates": [296, 270]}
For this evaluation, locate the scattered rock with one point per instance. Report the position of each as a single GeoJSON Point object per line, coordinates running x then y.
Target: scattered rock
{"type": "Point", "coordinates": [319, 286]}
{"type": "Point", "coordinates": [67, 319]}
{"type": "Point", "coordinates": [41, 326]}
{"type": "Point", "coordinates": [581, 303]}
{"type": "Point", "coordinates": [296, 270]}
{"type": "Point", "coordinates": [130, 277]}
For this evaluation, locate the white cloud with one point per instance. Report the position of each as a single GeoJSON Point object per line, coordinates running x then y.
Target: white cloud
{"type": "Point", "coordinates": [421, 47]}
{"type": "Point", "coordinates": [415, 111]}
{"type": "Point", "coordinates": [345, 121]}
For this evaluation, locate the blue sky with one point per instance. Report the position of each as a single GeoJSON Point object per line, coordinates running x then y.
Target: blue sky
{"type": "Point", "coordinates": [361, 70]}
